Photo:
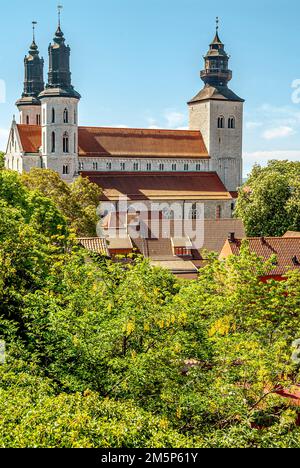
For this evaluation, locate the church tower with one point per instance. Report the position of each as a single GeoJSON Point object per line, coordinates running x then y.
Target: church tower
{"type": "Point", "coordinates": [29, 105]}
{"type": "Point", "coordinates": [60, 112]}
{"type": "Point", "coordinates": [218, 113]}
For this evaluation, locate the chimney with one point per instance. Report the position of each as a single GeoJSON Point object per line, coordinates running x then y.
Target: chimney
{"type": "Point", "coordinates": [231, 237]}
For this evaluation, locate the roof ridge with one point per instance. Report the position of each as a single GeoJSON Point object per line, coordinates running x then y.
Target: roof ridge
{"type": "Point", "coordinates": [140, 129]}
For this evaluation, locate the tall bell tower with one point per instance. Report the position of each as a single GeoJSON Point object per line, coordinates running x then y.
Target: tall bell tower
{"type": "Point", "coordinates": [218, 113]}
{"type": "Point", "coordinates": [60, 111]}
{"type": "Point", "coordinates": [29, 105]}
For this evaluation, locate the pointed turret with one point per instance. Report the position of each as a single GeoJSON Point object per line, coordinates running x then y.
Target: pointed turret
{"type": "Point", "coordinates": [59, 76]}
{"type": "Point", "coordinates": [29, 104]}
{"type": "Point", "coordinates": [216, 74]}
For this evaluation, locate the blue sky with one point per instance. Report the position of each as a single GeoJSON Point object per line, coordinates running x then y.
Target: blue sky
{"type": "Point", "coordinates": [137, 62]}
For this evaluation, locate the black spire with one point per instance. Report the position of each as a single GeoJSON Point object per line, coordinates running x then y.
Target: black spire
{"type": "Point", "coordinates": [216, 71]}
{"type": "Point", "coordinates": [34, 74]}
{"type": "Point", "coordinates": [59, 76]}
{"type": "Point", "coordinates": [216, 74]}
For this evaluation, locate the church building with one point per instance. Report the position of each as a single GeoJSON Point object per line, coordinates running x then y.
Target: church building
{"type": "Point", "coordinates": [199, 165]}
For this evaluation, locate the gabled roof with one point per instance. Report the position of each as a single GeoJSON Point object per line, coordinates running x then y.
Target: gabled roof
{"type": "Point", "coordinates": [129, 142]}
{"type": "Point", "coordinates": [30, 137]}
{"type": "Point", "coordinates": [220, 93]}
{"type": "Point", "coordinates": [125, 142]}
{"type": "Point", "coordinates": [286, 249]}
{"type": "Point", "coordinates": [160, 185]}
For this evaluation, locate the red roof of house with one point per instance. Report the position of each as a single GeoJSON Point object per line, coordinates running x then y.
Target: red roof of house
{"type": "Point", "coordinates": [160, 185]}
{"type": "Point", "coordinates": [125, 142]}
{"type": "Point", "coordinates": [292, 234]}
{"type": "Point", "coordinates": [287, 251]}
{"type": "Point", "coordinates": [31, 138]}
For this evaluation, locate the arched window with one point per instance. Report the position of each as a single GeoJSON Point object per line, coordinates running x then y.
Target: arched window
{"type": "Point", "coordinates": [53, 115]}
{"type": "Point", "coordinates": [66, 170]}
{"type": "Point", "coordinates": [75, 117]}
{"type": "Point", "coordinates": [75, 148]}
{"type": "Point", "coordinates": [218, 212]}
{"type": "Point", "coordinates": [66, 143]}
{"type": "Point", "coordinates": [231, 122]}
{"type": "Point", "coordinates": [53, 142]}
{"type": "Point", "coordinates": [27, 119]}
{"type": "Point", "coordinates": [221, 122]}
{"type": "Point", "coordinates": [194, 211]}
{"type": "Point", "coordinates": [66, 116]}
{"type": "Point", "coordinates": [38, 119]}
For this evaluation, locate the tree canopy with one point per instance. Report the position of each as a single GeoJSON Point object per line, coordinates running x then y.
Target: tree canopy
{"type": "Point", "coordinates": [269, 202]}
{"type": "Point", "coordinates": [78, 201]}
{"type": "Point", "coordinates": [103, 354]}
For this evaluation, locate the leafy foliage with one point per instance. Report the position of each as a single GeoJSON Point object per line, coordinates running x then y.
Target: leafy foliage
{"type": "Point", "coordinates": [269, 203]}
{"type": "Point", "coordinates": [78, 201]}
{"type": "Point", "coordinates": [103, 354]}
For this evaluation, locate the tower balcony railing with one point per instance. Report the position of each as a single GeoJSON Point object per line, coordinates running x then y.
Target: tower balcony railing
{"type": "Point", "coordinates": [216, 72]}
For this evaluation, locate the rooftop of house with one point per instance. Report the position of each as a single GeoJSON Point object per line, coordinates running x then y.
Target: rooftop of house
{"type": "Point", "coordinates": [286, 250]}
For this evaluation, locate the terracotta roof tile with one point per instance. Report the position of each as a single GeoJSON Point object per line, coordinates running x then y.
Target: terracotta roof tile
{"type": "Point", "coordinates": [129, 142]}
{"type": "Point", "coordinates": [125, 142]}
{"type": "Point", "coordinates": [31, 137]}
{"type": "Point", "coordinates": [287, 251]}
{"type": "Point", "coordinates": [292, 234]}
{"type": "Point", "coordinates": [95, 244]}
{"type": "Point", "coordinates": [160, 186]}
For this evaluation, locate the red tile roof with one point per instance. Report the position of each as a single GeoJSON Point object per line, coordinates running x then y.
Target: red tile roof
{"type": "Point", "coordinates": [160, 186]}
{"type": "Point", "coordinates": [95, 244]}
{"type": "Point", "coordinates": [129, 142]}
{"type": "Point", "coordinates": [31, 138]}
{"type": "Point", "coordinates": [125, 142]}
{"type": "Point", "coordinates": [287, 251]}
{"type": "Point", "coordinates": [292, 234]}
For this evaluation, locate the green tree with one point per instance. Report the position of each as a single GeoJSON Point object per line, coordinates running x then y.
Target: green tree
{"type": "Point", "coordinates": [269, 203]}
{"type": "Point", "coordinates": [103, 354]}
{"type": "Point", "coordinates": [1, 160]}
{"type": "Point", "coordinates": [77, 201]}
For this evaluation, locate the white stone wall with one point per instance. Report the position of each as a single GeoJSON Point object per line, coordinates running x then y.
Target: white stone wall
{"type": "Point", "coordinates": [224, 145]}
{"type": "Point", "coordinates": [14, 152]}
{"type": "Point", "coordinates": [116, 165]}
{"type": "Point", "coordinates": [30, 115]}
{"type": "Point", "coordinates": [58, 159]}
{"type": "Point", "coordinates": [210, 207]}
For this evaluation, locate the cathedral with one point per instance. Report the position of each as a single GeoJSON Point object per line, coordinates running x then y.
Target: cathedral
{"type": "Point", "coordinates": [199, 165]}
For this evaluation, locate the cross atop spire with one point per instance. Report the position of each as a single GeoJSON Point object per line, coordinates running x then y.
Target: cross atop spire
{"type": "Point", "coordinates": [33, 48]}
{"type": "Point", "coordinates": [34, 23]}
{"type": "Point", "coordinates": [217, 24]}
{"type": "Point", "coordinates": [59, 8]}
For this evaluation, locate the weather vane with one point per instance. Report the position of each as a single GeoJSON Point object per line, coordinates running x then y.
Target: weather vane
{"type": "Point", "coordinates": [217, 23]}
{"type": "Point", "coordinates": [59, 8]}
{"type": "Point", "coordinates": [34, 23]}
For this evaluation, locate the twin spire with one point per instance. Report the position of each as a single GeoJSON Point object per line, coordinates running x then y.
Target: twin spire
{"type": "Point", "coordinates": [59, 76]}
